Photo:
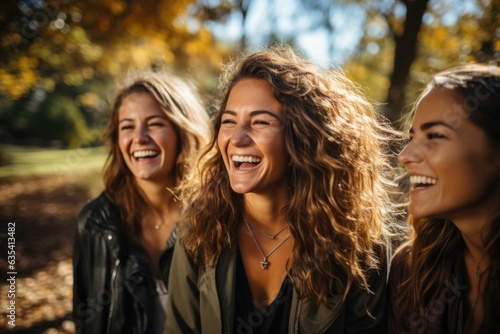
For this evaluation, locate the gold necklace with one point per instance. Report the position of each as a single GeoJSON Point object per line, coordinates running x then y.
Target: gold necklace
{"type": "Point", "coordinates": [264, 263]}
{"type": "Point", "coordinates": [158, 226]}
{"type": "Point", "coordinates": [478, 272]}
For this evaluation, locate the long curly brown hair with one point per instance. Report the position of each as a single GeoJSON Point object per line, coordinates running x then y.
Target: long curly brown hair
{"type": "Point", "coordinates": [337, 177]}
{"type": "Point", "coordinates": [435, 243]}
{"type": "Point", "coordinates": [180, 103]}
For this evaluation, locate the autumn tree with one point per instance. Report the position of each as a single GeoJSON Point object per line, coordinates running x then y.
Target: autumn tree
{"type": "Point", "coordinates": [72, 46]}
{"type": "Point", "coordinates": [405, 51]}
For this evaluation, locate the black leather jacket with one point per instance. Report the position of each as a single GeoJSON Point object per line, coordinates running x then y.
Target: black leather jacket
{"type": "Point", "coordinates": [113, 288]}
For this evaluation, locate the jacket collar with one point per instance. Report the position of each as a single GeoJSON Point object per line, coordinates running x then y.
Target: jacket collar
{"type": "Point", "coordinates": [309, 317]}
{"type": "Point", "coordinates": [305, 316]}
{"type": "Point", "coordinates": [103, 217]}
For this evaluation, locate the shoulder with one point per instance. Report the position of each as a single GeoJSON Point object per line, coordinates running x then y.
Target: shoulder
{"type": "Point", "coordinates": [399, 264]}
{"type": "Point", "coordinates": [401, 256]}
{"type": "Point", "coordinates": [99, 210]}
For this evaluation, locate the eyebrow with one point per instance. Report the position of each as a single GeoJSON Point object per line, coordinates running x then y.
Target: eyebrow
{"type": "Point", "coordinates": [255, 113]}
{"type": "Point", "coordinates": [429, 125]}
{"type": "Point", "coordinates": [147, 118]}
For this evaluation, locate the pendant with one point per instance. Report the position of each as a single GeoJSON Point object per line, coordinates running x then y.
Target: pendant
{"type": "Point", "coordinates": [264, 264]}
{"type": "Point", "coordinates": [157, 227]}
{"type": "Point", "coordinates": [478, 272]}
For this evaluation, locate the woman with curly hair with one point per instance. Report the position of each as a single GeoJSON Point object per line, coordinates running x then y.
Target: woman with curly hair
{"type": "Point", "coordinates": [446, 279]}
{"type": "Point", "coordinates": [286, 231]}
{"type": "Point", "coordinates": [156, 129]}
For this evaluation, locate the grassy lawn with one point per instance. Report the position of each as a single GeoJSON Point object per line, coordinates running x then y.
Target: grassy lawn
{"type": "Point", "coordinates": [38, 162]}
{"type": "Point", "coordinates": [42, 191]}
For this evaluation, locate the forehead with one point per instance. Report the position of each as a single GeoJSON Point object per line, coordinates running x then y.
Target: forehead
{"type": "Point", "coordinates": [440, 105]}
{"type": "Point", "coordinates": [444, 107]}
{"type": "Point", "coordinates": [252, 95]}
{"type": "Point", "coordinates": [139, 104]}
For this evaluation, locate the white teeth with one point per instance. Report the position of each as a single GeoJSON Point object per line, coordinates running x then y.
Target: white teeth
{"type": "Point", "coordinates": [143, 154]}
{"type": "Point", "coordinates": [422, 180]}
{"type": "Point", "coordinates": [245, 158]}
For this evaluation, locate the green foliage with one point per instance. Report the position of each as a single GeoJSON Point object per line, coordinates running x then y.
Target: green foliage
{"type": "Point", "coordinates": [80, 48]}
{"type": "Point", "coordinates": [58, 118]}
{"type": "Point", "coordinates": [23, 161]}
{"type": "Point", "coordinates": [448, 36]}
{"type": "Point", "coordinates": [61, 42]}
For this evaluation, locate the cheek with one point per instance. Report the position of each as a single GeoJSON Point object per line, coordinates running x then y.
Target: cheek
{"type": "Point", "coordinates": [277, 146]}
{"type": "Point", "coordinates": [224, 133]}
{"type": "Point", "coordinates": [123, 143]}
{"type": "Point", "coordinates": [223, 138]}
{"type": "Point", "coordinates": [167, 140]}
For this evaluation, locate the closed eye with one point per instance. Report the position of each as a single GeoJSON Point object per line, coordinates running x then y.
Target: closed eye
{"type": "Point", "coordinates": [261, 122]}
{"type": "Point", "coordinates": [435, 135]}
{"type": "Point", "coordinates": [126, 127]}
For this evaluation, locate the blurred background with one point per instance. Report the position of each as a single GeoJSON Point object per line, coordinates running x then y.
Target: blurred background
{"type": "Point", "coordinates": [60, 60]}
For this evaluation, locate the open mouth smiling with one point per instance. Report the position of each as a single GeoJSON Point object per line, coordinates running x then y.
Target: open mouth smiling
{"type": "Point", "coordinates": [245, 161]}
{"type": "Point", "coordinates": [418, 181]}
{"type": "Point", "coordinates": [145, 154]}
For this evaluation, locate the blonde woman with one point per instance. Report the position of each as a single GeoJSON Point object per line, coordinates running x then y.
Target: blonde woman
{"type": "Point", "coordinates": [156, 129]}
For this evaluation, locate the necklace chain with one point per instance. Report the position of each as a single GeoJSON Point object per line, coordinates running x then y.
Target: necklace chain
{"type": "Point", "coordinates": [264, 263]}
{"type": "Point", "coordinates": [478, 272]}
{"type": "Point", "coordinates": [270, 236]}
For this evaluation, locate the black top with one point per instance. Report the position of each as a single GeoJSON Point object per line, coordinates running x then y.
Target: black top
{"type": "Point", "coordinates": [114, 290]}
{"type": "Point", "coordinates": [250, 317]}
{"type": "Point", "coordinates": [449, 312]}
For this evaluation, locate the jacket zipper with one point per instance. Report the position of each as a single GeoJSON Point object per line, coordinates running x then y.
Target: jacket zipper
{"type": "Point", "coordinates": [297, 316]}
{"type": "Point", "coordinates": [113, 295]}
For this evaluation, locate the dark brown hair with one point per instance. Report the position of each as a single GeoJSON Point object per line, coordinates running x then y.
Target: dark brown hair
{"type": "Point", "coordinates": [435, 243]}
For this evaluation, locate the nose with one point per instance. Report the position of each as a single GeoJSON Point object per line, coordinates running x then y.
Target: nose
{"type": "Point", "coordinates": [409, 154]}
{"type": "Point", "coordinates": [240, 136]}
{"type": "Point", "coordinates": [141, 135]}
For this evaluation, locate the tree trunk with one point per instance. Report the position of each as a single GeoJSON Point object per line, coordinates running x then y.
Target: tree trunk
{"type": "Point", "coordinates": [404, 54]}
{"type": "Point", "coordinates": [242, 6]}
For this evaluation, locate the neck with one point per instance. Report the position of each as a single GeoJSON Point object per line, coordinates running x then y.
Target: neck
{"type": "Point", "coordinates": [159, 197]}
{"type": "Point", "coordinates": [475, 231]}
{"type": "Point", "coordinates": [474, 222]}
{"type": "Point", "coordinates": [265, 210]}
{"type": "Point", "coordinates": [476, 243]}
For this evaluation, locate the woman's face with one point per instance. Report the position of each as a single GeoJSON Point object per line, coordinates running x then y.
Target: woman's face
{"type": "Point", "coordinates": [251, 139]}
{"type": "Point", "coordinates": [454, 172]}
{"type": "Point", "coordinates": [147, 139]}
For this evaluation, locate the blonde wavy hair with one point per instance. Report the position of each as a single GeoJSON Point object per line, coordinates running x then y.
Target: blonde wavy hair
{"type": "Point", "coordinates": [179, 101]}
{"type": "Point", "coordinates": [434, 243]}
{"type": "Point", "coordinates": [337, 177]}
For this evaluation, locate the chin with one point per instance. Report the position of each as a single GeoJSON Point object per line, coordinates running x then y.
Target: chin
{"type": "Point", "coordinates": [240, 189]}
{"type": "Point", "coordinates": [418, 213]}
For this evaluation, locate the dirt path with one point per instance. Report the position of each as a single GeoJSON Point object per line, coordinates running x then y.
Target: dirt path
{"type": "Point", "coordinates": [44, 210]}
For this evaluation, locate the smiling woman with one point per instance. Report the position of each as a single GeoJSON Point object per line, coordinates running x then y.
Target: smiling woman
{"type": "Point", "coordinates": [286, 230]}
{"type": "Point", "coordinates": [125, 237]}
{"type": "Point", "coordinates": [446, 278]}
{"type": "Point", "coordinates": [251, 139]}
{"type": "Point", "coordinates": [147, 140]}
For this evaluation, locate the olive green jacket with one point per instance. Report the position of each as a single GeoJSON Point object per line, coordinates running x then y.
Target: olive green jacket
{"type": "Point", "coordinates": [202, 301]}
